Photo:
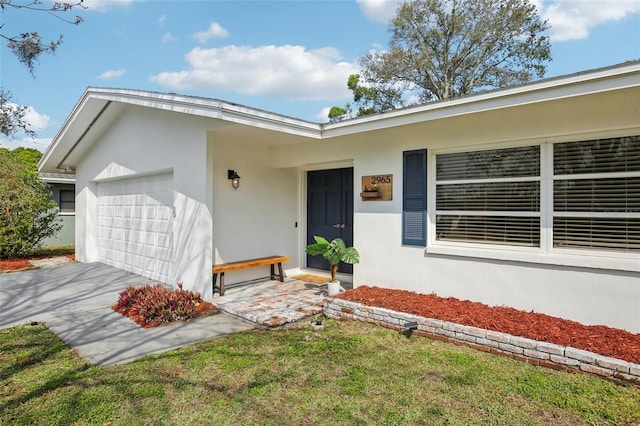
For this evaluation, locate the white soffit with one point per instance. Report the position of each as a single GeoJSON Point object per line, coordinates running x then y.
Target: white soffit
{"type": "Point", "coordinates": [98, 106]}
{"type": "Point", "coordinates": [83, 117]}
{"type": "Point", "coordinates": [575, 85]}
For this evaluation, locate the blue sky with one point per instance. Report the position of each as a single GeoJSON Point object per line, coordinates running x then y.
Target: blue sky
{"type": "Point", "coordinates": [290, 57]}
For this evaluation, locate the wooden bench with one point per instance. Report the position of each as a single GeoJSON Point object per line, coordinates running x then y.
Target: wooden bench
{"type": "Point", "coordinates": [221, 268]}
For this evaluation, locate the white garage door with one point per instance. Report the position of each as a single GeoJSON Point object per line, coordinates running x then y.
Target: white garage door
{"type": "Point", "coordinates": [135, 226]}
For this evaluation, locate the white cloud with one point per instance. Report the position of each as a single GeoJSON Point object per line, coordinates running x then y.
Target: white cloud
{"type": "Point", "coordinates": [379, 10]}
{"type": "Point", "coordinates": [103, 5]}
{"type": "Point", "coordinates": [539, 4]}
{"type": "Point", "coordinates": [573, 19]}
{"type": "Point", "coordinates": [162, 20]}
{"type": "Point", "coordinates": [289, 72]}
{"type": "Point", "coordinates": [215, 30]}
{"type": "Point", "coordinates": [36, 122]}
{"type": "Point", "coordinates": [112, 74]}
{"type": "Point", "coordinates": [168, 38]}
{"type": "Point", "coordinates": [323, 115]}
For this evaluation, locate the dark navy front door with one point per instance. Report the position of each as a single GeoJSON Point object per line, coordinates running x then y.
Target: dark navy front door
{"type": "Point", "coordinates": [330, 211]}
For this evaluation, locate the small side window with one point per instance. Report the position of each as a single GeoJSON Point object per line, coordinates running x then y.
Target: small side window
{"type": "Point", "coordinates": [67, 201]}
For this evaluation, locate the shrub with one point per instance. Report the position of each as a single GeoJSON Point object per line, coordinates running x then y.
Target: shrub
{"type": "Point", "coordinates": [153, 305]}
{"type": "Point", "coordinates": [27, 213]}
{"type": "Point", "coordinates": [130, 297]}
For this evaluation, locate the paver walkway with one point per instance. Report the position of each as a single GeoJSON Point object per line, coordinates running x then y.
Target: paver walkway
{"type": "Point", "coordinates": [272, 303]}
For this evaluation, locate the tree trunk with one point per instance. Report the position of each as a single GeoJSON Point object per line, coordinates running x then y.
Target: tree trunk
{"type": "Point", "coordinates": [334, 271]}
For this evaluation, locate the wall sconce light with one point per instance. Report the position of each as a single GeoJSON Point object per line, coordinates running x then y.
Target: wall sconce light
{"type": "Point", "coordinates": [234, 177]}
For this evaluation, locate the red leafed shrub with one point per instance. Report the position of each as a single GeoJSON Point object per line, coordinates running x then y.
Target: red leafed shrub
{"type": "Point", "coordinates": [154, 305]}
{"type": "Point", "coordinates": [130, 297]}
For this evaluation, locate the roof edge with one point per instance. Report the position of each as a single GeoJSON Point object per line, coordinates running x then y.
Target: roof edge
{"type": "Point", "coordinates": [598, 74]}
{"type": "Point", "coordinates": [207, 107]}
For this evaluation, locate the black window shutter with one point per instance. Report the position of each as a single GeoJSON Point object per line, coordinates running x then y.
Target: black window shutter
{"type": "Point", "coordinates": [414, 198]}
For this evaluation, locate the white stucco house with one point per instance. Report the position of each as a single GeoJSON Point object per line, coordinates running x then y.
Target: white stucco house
{"type": "Point", "coordinates": [527, 197]}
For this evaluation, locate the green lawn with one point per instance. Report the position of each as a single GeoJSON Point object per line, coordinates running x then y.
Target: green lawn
{"type": "Point", "coordinates": [349, 373]}
{"type": "Point", "coordinates": [55, 250]}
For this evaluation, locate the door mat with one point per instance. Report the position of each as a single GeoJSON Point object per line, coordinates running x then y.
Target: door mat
{"type": "Point", "coordinates": [314, 279]}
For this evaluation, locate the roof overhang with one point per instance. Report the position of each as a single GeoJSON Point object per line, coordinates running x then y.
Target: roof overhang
{"type": "Point", "coordinates": [58, 177]}
{"type": "Point", "coordinates": [618, 77]}
{"type": "Point", "coordinates": [99, 107]}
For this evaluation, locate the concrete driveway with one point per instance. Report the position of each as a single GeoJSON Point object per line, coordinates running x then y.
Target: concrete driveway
{"type": "Point", "coordinates": [74, 300]}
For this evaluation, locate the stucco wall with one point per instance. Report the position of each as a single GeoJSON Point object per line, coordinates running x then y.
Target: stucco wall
{"type": "Point", "coordinates": [145, 141]}
{"type": "Point", "coordinates": [260, 217]}
{"type": "Point", "coordinates": [590, 296]}
{"type": "Point", "coordinates": [66, 235]}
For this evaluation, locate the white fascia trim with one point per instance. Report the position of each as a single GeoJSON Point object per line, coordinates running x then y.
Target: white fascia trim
{"type": "Point", "coordinates": [211, 108]}
{"type": "Point", "coordinates": [615, 78]}
{"type": "Point", "coordinates": [63, 130]}
{"type": "Point", "coordinates": [58, 180]}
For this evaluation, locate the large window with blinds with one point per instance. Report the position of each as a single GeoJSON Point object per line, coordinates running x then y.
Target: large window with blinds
{"type": "Point", "coordinates": [489, 197]}
{"type": "Point", "coordinates": [582, 195]}
{"type": "Point", "coordinates": [596, 194]}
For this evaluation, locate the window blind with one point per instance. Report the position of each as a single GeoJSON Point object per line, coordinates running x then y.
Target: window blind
{"type": "Point", "coordinates": [596, 194]}
{"type": "Point", "coordinates": [489, 197]}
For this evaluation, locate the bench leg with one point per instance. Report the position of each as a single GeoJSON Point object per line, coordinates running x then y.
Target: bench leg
{"type": "Point", "coordinates": [221, 283]}
{"type": "Point", "coordinates": [213, 284]}
{"type": "Point", "coordinates": [281, 272]}
{"type": "Point", "coordinates": [280, 275]}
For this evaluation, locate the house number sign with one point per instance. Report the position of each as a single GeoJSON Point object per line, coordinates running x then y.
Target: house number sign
{"type": "Point", "coordinates": [377, 188]}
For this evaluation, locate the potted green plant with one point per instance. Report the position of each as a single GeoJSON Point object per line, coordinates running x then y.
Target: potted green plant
{"type": "Point", "coordinates": [335, 252]}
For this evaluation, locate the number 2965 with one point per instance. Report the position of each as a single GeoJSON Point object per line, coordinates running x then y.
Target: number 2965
{"type": "Point", "coordinates": [380, 179]}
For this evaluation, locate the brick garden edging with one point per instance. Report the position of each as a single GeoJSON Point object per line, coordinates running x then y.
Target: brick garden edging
{"type": "Point", "coordinates": [522, 349]}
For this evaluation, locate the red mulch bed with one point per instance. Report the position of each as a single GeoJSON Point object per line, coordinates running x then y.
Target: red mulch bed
{"type": "Point", "coordinates": [599, 339]}
{"type": "Point", "coordinates": [202, 310]}
{"type": "Point", "coordinates": [20, 263]}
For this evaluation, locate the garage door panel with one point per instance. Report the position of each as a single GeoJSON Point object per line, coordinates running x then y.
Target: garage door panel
{"type": "Point", "coordinates": [164, 241]}
{"type": "Point", "coordinates": [135, 225]}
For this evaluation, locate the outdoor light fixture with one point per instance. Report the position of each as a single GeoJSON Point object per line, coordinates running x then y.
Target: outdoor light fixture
{"type": "Point", "coordinates": [409, 328]}
{"type": "Point", "coordinates": [234, 177]}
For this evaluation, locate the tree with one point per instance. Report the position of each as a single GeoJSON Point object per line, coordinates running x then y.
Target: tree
{"type": "Point", "coordinates": [441, 49]}
{"type": "Point", "coordinates": [12, 117]}
{"type": "Point", "coordinates": [28, 215]}
{"type": "Point", "coordinates": [27, 156]}
{"type": "Point", "coordinates": [368, 99]}
{"type": "Point", "coordinates": [28, 47]}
